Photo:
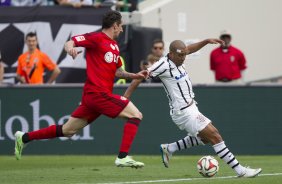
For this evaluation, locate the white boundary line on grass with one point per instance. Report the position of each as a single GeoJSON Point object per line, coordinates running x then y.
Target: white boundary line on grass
{"type": "Point", "coordinates": [181, 179]}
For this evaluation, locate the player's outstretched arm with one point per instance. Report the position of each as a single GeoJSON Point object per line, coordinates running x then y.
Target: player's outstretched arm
{"type": "Point", "coordinates": [121, 73]}
{"type": "Point", "coordinates": [197, 46]}
{"type": "Point", "coordinates": [131, 88]}
{"type": "Point", "coordinates": [138, 78]}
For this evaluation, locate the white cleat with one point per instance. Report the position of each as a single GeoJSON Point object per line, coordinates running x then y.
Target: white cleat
{"type": "Point", "coordinates": [128, 162]}
{"type": "Point", "coordinates": [166, 155]}
{"type": "Point", "coordinates": [250, 173]}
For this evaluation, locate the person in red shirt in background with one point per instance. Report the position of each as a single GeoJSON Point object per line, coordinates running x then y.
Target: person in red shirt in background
{"type": "Point", "coordinates": [227, 62]}
{"type": "Point", "coordinates": [103, 65]}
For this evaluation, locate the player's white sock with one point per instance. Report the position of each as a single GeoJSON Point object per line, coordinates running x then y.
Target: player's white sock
{"type": "Point", "coordinates": [223, 152]}
{"type": "Point", "coordinates": [186, 142]}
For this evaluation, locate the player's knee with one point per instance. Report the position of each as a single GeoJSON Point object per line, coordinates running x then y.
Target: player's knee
{"type": "Point", "coordinates": [69, 133]}
{"type": "Point", "coordinates": [137, 115]}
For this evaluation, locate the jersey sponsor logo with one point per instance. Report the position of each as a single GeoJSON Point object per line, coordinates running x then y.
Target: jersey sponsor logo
{"type": "Point", "coordinates": [79, 38]}
{"type": "Point", "coordinates": [116, 47]}
{"type": "Point", "coordinates": [109, 56]}
{"type": "Point", "coordinates": [113, 47]}
{"type": "Point", "coordinates": [232, 58]}
{"type": "Point", "coordinates": [180, 76]}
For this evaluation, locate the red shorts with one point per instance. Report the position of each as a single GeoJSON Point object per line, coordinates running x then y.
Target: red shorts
{"type": "Point", "coordinates": [95, 104]}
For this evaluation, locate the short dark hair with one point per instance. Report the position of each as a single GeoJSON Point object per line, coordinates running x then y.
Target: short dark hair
{"type": "Point", "coordinates": [30, 34]}
{"type": "Point", "coordinates": [158, 40]}
{"type": "Point", "coordinates": [110, 18]}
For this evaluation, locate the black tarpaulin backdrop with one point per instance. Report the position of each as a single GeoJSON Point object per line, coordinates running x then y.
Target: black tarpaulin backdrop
{"type": "Point", "coordinates": [64, 22]}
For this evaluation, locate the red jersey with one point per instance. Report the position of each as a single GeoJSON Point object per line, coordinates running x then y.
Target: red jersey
{"type": "Point", "coordinates": [102, 59]}
{"type": "Point", "coordinates": [227, 65]}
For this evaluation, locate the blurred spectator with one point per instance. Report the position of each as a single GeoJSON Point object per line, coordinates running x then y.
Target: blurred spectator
{"type": "Point", "coordinates": [227, 62]}
{"type": "Point", "coordinates": [1, 72]}
{"type": "Point", "coordinates": [74, 3]}
{"type": "Point", "coordinates": [29, 2]}
{"type": "Point", "coordinates": [119, 5]}
{"type": "Point", "coordinates": [158, 48]}
{"type": "Point", "coordinates": [31, 64]}
{"type": "Point", "coordinates": [151, 59]}
{"type": "Point", "coordinates": [133, 5]}
{"type": "Point", "coordinates": [1, 69]}
{"type": "Point", "coordinates": [157, 51]}
{"type": "Point", "coordinates": [5, 2]}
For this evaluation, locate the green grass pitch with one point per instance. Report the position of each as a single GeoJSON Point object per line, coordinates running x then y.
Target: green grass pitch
{"type": "Point", "coordinates": [101, 169]}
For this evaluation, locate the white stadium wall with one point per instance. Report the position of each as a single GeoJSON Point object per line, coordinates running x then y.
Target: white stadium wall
{"type": "Point", "coordinates": [255, 24]}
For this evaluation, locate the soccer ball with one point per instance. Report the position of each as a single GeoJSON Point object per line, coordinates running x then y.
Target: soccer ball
{"type": "Point", "coordinates": [207, 166]}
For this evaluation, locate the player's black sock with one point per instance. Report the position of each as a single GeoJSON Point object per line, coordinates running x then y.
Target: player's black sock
{"type": "Point", "coordinates": [122, 154]}
{"type": "Point", "coordinates": [25, 138]}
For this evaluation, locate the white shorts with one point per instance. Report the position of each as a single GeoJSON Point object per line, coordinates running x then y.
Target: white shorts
{"type": "Point", "coordinates": [190, 119]}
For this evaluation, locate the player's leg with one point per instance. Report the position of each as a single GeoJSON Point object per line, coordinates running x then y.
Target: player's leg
{"type": "Point", "coordinates": [184, 143]}
{"type": "Point", "coordinates": [211, 134]}
{"type": "Point", "coordinates": [114, 106]}
{"type": "Point", "coordinates": [79, 119]}
{"type": "Point", "coordinates": [187, 142]}
{"type": "Point", "coordinates": [134, 117]}
{"type": "Point", "coordinates": [190, 120]}
{"type": "Point", "coordinates": [53, 131]}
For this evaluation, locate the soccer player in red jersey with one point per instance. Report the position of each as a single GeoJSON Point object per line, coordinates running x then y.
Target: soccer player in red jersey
{"type": "Point", "coordinates": [103, 64]}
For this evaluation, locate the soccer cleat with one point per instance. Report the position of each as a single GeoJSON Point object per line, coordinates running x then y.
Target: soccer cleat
{"type": "Point", "coordinates": [166, 155]}
{"type": "Point", "coordinates": [19, 145]}
{"type": "Point", "coordinates": [128, 162]}
{"type": "Point", "coordinates": [250, 173]}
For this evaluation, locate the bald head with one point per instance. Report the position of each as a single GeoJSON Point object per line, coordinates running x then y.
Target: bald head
{"type": "Point", "coordinates": [177, 46]}
{"type": "Point", "coordinates": [177, 52]}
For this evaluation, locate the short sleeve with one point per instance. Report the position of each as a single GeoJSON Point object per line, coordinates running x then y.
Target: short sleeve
{"type": "Point", "coordinates": [84, 40]}
{"type": "Point", "coordinates": [158, 68]}
{"type": "Point", "coordinates": [120, 62]}
{"type": "Point", "coordinates": [47, 62]}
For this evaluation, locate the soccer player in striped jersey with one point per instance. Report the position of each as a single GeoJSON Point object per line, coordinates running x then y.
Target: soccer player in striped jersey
{"type": "Point", "coordinates": [183, 109]}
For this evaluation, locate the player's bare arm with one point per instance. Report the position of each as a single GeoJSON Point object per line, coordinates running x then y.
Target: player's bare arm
{"type": "Point", "coordinates": [70, 49]}
{"type": "Point", "coordinates": [121, 73]}
{"type": "Point", "coordinates": [131, 88]}
{"type": "Point", "coordinates": [197, 46]}
{"type": "Point", "coordinates": [54, 75]}
{"type": "Point", "coordinates": [133, 85]}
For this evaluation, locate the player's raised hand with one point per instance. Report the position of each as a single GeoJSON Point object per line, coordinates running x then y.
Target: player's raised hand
{"type": "Point", "coordinates": [215, 41]}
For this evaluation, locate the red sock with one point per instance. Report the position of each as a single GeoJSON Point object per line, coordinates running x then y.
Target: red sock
{"type": "Point", "coordinates": [129, 132]}
{"type": "Point", "coordinates": [46, 133]}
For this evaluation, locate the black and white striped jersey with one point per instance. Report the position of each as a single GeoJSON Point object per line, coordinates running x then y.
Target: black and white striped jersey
{"type": "Point", "coordinates": [176, 82]}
